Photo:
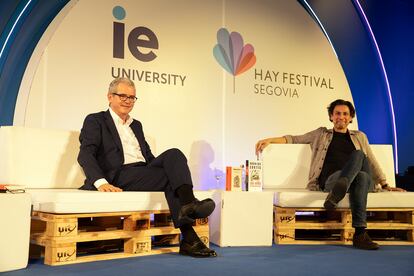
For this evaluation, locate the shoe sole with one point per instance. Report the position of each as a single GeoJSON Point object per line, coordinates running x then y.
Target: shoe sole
{"type": "Point", "coordinates": [196, 256]}
{"type": "Point", "coordinates": [186, 220]}
{"type": "Point", "coordinates": [366, 248]}
{"type": "Point", "coordinates": [208, 208]}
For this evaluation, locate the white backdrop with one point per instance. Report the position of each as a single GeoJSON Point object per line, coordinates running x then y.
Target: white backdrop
{"type": "Point", "coordinates": [214, 121]}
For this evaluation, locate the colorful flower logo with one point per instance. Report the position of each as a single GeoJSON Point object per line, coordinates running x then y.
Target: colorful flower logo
{"type": "Point", "coordinates": [232, 55]}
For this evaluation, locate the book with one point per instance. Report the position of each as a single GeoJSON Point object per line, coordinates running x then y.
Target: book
{"type": "Point", "coordinates": [254, 176]}
{"type": "Point", "coordinates": [9, 188]}
{"type": "Point", "coordinates": [233, 179]}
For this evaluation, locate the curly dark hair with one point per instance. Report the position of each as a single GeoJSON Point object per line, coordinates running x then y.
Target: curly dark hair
{"type": "Point", "coordinates": [331, 107]}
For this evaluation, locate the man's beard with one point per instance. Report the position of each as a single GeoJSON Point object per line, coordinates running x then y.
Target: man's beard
{"type": "Point", "coordinates": [340, 125]}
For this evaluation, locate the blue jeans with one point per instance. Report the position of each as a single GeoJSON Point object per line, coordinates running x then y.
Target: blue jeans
{"type": "Point", "coordinates": [358, 172]}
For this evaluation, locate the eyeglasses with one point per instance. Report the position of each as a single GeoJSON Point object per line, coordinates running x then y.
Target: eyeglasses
{"type": "Point", "coordinates": [125, 98]}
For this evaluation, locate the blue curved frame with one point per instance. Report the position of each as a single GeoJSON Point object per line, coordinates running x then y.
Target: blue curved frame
{"type": "Point", "coordinates": [23, 24]}
{"type": "Point", "coordinates": [349, 34]}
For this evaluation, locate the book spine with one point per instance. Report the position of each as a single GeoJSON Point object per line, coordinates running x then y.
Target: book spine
{"type": "Point", "coordinates": [247, 175]}
{"type": "Point", "coordinates": [228, 178]}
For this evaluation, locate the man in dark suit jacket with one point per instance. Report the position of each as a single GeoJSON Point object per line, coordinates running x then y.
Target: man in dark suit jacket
{"type": "Point", "coordinates": [116, 157]}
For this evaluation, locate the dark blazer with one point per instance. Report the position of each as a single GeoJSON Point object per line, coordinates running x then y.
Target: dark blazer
{"type": "Point", "coordinates": [101, 154]}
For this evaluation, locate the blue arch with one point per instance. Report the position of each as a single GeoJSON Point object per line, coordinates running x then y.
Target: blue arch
{"type": "Point", "coordinates": [349, 34]}
{"type": "Point", "coordinates": [22, 24]}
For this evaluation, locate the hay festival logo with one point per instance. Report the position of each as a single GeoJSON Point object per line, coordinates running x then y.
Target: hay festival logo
{"type": "Point", "coordinates": [230, 52]}
{"type": "Point", "coordinates": [287, 84]}
{"type": "Point", "coordinates": [236, 58]}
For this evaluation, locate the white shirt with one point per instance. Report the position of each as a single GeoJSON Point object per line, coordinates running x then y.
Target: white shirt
{"type": "Point", "coordinates": [130, 145]}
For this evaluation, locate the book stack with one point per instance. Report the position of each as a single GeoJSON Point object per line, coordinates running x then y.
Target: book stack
{"type": "Point", "coordinates": [254, 176]}
{"type": "Point", "coordinates": [14, 189]}
{"type": "Point", "coordinates": [234, 179]}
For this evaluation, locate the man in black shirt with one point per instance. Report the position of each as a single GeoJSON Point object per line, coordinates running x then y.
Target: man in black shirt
{"type": "Point", "coordinates": [338, 154]}
{"type": "Point", "coordinates": [342, 162]}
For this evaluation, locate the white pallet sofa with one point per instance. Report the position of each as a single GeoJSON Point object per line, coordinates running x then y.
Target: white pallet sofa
{"type": "Point", "coordinates": [285, 172]}
{"type": "Point", "coordinates": [45, 162]}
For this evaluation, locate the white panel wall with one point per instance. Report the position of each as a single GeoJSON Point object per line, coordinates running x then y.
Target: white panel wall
{"type": "Point", "coordinates": [213, 118]}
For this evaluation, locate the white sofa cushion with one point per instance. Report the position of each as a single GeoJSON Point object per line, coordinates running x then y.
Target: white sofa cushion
{"type": "Point", "coordinates": [64, 201]}
{"type": "Point", "coordinates": [286, 169]}
{"type": "Point", "coordinates": [302, 198]}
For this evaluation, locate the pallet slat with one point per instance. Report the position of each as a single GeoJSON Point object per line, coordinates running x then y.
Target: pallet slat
{"type": "Point", "coordinates": [68, 238]}
{"type": "Point", "coordinates": [317, 226]}
{"type": "Point", "coordinates": [111, 256]}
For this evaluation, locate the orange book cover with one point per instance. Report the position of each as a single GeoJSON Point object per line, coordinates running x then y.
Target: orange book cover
{"type": "Point", "coordinates": [228, 178]}
{"type": "Point", "coordinates": [233, 179]}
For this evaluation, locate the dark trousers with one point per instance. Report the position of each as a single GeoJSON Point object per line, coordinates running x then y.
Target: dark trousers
{"type": "Point", "coordinates": [358, 171]}
{"type": "Point", "coordinates": [166, 173]}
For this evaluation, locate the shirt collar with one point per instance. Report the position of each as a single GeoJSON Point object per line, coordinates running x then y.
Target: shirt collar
{"type": "Point", "coordinates": [117, 120]}
{"type": "Point", "coordinates": [350, 131]}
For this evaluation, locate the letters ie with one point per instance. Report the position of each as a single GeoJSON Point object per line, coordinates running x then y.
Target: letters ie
{"type": "Point", "coordinates": [139, 38]}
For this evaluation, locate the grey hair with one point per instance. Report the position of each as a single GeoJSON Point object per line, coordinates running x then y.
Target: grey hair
{"type": "Point", "coordinates": [114, 84]}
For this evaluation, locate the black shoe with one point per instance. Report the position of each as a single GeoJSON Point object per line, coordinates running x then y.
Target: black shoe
{"type": "Point", "coordinates": [363, 241]}
{"type": "Point", "coordinates": [196, 249]}
{"type": "Point", "coordinates": [195, 210]}
{"type": "Point", "coordinates": [337, 193]}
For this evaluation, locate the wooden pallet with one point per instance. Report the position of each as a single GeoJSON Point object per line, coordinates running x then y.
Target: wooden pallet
{"type": "Point", "coordinates": [317, 226]}
{"type": "Point", "coordinates": [76, 238]}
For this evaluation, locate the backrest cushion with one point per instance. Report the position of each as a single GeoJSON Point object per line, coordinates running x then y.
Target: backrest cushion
{"type": "Point", "coordinates": [286, 166]}
{"type": "Point", "coordinates": [40, 158]}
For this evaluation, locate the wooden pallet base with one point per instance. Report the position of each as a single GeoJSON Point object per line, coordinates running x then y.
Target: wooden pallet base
{"type": "Point", "coordinates": [317, 226]}
{"type": "Point", "coordinates": [76, 238]}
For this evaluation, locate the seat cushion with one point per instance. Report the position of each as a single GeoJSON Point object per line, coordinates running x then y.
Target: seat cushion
{"type": "Point", "coordinates": [302, 198]}
{"type": "Point", "coordinates": [80, 201]}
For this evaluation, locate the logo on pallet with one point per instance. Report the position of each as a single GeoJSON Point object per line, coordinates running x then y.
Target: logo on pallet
{"type": "Point", "coordinates": [286, 219]}
{"type": "Point", "coordinates": [65, 230]}
{"type": "Point", "coordinates": [284, 237]}
{"type": "Point", "coordinates": [142, 247]}
{"type": "Point", "coordinates": [65, 256]}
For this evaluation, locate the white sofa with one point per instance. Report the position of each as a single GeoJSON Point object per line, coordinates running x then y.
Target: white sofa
{"type": "Point", "coordinates": [45, 162]}
{"type": "Point", "coordinates": [286, 170]}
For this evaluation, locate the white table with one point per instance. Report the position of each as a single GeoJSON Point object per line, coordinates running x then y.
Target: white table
{"type": "Point", "coordinates": [242, 219]}
{"type": "Point", "coordinates": [14, 230]}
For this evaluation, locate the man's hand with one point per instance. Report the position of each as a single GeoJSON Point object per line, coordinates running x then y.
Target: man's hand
{"type": "Point", "coordinates": [109, 188]}
{"type": "Point", "coordinates": [261, 144]}
{"type": "Point", "coordinates": [394, 189]}
{"type": "Point", "coordinates": [265, 142]}
{"type": "Point", "coordinates": [386, 187]}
